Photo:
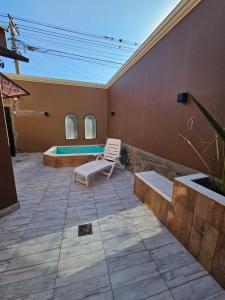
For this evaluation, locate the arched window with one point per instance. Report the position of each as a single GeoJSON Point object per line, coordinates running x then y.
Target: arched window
{"type": "Point", "coordinates": [71, 127]}
{"type": "Point", "coordinates": [90, 127]}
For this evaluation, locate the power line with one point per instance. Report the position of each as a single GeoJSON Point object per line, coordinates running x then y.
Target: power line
{"type": "Point", "coordinates": [44, 50]}
{"type": "Point", "coordinates": [74, 38]}
{"type": "Point", "coordinates": [71, 55]}
{"type": "Point", "coordinates": [74, 31]}
{"type": "Point", "coordinates": [87, 48]}
{"type": "Point", "coordinates": [75, 47]}
{"type": "Point", "coordinates": [52, 34]}
{"type": "Point", "coordinates": [82, 56]}
{"type": "Point", "coordinates": [70, 37]}
{"type": "Point", "coordinates": [75, 58]}
{"type": "Point", "coordinates": [74, 42]}
{"type": "Point", "coordinates": [78, 69]}
{"type": "Point", "coordinates": [119, 51]}
{"type": "Point", "coordinates": [110, 38]}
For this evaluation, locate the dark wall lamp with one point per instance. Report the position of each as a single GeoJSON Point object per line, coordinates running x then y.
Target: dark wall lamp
{"type": "Point", "coordinates": [46, 114]}
{"type": "Point", "coordinates": [112, 113]}
{"type": "Point", "coordinates": [182, 97]}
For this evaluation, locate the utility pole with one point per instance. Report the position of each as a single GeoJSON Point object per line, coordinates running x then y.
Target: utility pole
{"type": "Point", "coordinates": [14, 30]}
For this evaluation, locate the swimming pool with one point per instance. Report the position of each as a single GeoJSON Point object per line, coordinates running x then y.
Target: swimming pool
{"type": "Point", "coordinates": [71, 156]}
{"type": "Point", "coordinates": [84, 149]}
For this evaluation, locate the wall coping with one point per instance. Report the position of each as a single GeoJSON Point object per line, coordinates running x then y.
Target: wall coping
{"type": "Point", "coordinates": [55, 81]}
{"type": "Point", "coordinates": [157, 182]}
{"type": "Point", "coordinates": [188, 181]}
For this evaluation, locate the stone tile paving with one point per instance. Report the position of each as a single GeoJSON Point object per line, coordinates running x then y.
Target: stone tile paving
{"type": "Point", "coordinates": [130, 255]}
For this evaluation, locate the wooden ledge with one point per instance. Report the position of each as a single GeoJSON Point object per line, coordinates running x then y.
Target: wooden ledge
{"type": "Point", "coordinates": [158, 183]}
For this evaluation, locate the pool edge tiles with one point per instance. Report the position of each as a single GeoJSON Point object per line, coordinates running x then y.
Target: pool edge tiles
{"type": "Point", "coordinates": [78, 150]}
{"type": "Point", "coordinates": [52, 159]}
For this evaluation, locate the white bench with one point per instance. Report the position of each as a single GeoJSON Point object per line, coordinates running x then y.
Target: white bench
{"type": "Point", "coordinates": [159, 183]}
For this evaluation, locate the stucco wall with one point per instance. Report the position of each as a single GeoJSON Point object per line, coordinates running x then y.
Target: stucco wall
{"type": "Point", "coordinates": [36, 133]}
{"type": "Point", "coordinates": [191, 56]}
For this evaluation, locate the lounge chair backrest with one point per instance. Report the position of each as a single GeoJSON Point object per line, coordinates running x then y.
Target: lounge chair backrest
{"type": "Point", "coordinates": [112, 149]}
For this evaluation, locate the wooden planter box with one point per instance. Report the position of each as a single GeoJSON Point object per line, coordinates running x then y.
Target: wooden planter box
{"type": "Point", "coordinates": [196, 216]}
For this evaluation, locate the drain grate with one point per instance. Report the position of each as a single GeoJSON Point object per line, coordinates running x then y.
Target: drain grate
{"type": "Point", "coordinates": [85, 229]}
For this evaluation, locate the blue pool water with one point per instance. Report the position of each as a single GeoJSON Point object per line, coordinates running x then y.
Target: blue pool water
{"type": "Point", "coordinates": [78, 149]}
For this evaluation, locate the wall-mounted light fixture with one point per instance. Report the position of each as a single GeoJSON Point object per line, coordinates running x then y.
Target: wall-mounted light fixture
{"type": "Point", "coordinates": [112, 113]}
{"type": "Point", "coordinates": [14, 104]}
{"type": "Point", "coordinates": [46, 114]}
{"type": "Point", "coordinates": [182, 97]}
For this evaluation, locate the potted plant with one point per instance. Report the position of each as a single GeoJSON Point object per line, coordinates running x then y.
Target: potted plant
{"type": "Point", "coordinates": [213, 182]}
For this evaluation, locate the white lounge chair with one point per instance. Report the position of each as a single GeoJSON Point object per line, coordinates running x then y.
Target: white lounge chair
{"type": "Point", "coordinates": [108, 160]}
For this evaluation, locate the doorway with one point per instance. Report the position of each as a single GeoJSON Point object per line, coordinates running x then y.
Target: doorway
{"type": "Point", "coordinates": [10, 130]}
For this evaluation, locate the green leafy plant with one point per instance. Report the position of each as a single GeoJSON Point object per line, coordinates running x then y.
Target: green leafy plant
{"type": "Point", "coordinates": [219, 136]}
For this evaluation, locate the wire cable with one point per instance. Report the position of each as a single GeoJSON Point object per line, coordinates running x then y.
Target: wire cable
{"type": "Point", "coordinates": [75, 47]}
{"type": "Point", "coordinates": [73, 31]}
{"type": "Point", "coordinates": [47, 50]}
{"type": "Point", "coordinates": [70, 37]}
{"type": "Point", "coordinates": [113, 39]}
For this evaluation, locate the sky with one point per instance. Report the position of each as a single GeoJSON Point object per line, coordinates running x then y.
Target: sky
{"type": "Point", "coordinates": [91, 57]}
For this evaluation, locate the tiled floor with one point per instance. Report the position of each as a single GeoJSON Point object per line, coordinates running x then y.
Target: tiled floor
{"type": "Point", "coordinates": [129, 256]}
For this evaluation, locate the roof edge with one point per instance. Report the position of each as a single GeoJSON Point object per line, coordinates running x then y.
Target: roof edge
{"type": "Point", "coordinates": [12, 89]}
{"type": "Point", "coordinates": [55, 81]}
{"type": "Point", "coordinates": [178, 13]}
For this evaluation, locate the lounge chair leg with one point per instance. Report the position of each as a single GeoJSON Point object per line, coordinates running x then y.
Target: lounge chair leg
{"type": "Point", "coordinates": [110, 172]}
{"type": "Point", "coordinates": [120, 166]}
{"type": "Point", "coordinates": [75, 178]}
{"type": "Point", "coordinates": [87, 182]}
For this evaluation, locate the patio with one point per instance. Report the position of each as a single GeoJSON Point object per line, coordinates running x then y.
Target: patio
{"type": "Point", "coordinates": [130, 255]}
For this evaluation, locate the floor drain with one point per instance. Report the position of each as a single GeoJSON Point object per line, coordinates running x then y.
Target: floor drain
{"type": "Point", "coordinates": [85, 229]}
